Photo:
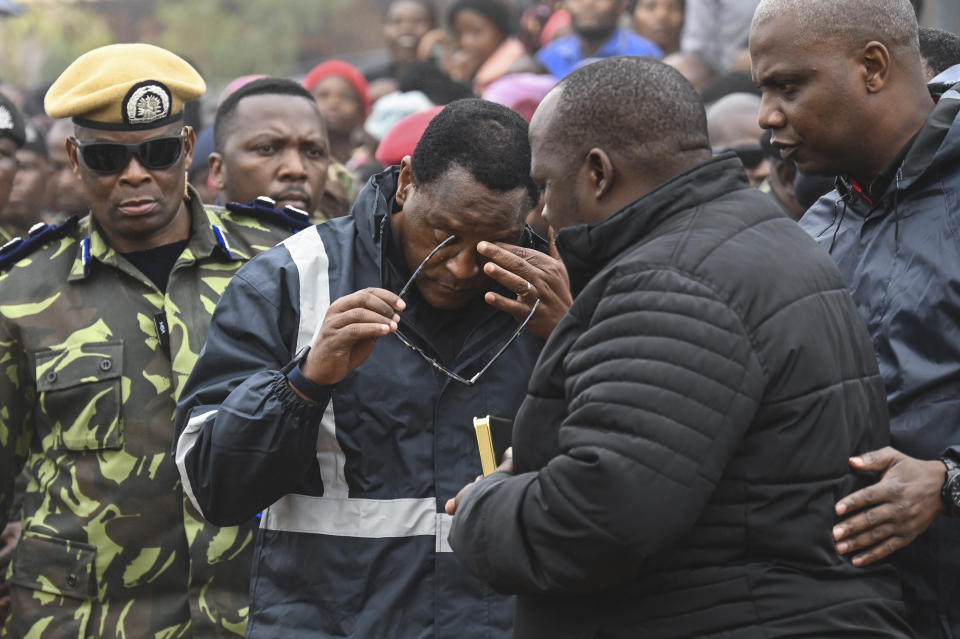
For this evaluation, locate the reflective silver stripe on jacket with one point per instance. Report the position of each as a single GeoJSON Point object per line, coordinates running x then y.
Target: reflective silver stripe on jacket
{"type": "Point", "coordinates": [310, 256]}
{"type": "Point", "coordinates": [362, 518]}
{"type": "Point", "coordinates": [185, 443]}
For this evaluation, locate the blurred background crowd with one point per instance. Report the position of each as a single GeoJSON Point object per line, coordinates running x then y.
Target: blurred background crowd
{"type": "Point", "coordinates": [372, 64]}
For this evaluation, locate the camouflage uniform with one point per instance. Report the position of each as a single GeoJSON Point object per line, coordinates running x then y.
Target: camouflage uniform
{"type": "Point", "coordinates": [110, 545]}
{"type": "Point", "coordinates": [339, 194]}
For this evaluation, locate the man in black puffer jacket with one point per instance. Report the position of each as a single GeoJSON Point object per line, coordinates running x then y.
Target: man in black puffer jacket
{"type": "Point", "coordinates": [686, 430]}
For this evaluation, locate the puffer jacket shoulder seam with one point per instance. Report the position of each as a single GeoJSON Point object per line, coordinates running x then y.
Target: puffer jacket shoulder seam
{"type": "Point", "coordinates": [641, 266]}
{"type": "Point", "coordinates": [840, 290]}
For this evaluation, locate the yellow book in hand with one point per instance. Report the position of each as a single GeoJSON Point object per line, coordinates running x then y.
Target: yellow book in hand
{"type": "Point", "coordinates": [493, 439]}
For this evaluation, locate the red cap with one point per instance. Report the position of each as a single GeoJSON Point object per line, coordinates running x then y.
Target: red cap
{"type": "Point", "coordinates": [402, 139]}
{"type": "Point", "coordinates": [344, 70]}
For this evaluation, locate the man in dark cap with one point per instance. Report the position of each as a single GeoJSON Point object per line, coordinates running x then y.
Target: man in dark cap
{"type": "Point", "coordinates": [687, 426]}
{"type": "Point", "coordinates": [102, 320]}
{"type": "Point", "coordinates": [12, 138]}
{"type": "Point", "coordinates": [844, 93]}
{"type": "Point", "coordinates": [26, 206]}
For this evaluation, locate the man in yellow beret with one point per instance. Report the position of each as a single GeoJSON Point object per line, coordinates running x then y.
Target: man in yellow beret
{"type": "Point", "coordinates": [101, 321]}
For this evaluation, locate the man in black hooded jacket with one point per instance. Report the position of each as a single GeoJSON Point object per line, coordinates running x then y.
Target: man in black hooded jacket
{"type": "Point", "coordinates": [686, 429]}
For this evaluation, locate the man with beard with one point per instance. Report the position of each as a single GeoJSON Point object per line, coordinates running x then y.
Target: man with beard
{"type": "Point", "coordinates": [596, 34]}
{"type": "Point", "coordinates": [271, 141]}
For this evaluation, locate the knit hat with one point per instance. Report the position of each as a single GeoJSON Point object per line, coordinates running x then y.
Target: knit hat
{"type": "Point", "coordinates": [495, 11]}
{"type": "Point", "coordinates": [402, 139]}
{"type": "Point", "coordinates": [346, 71]}
{"type": "Point", "coordinates": [392, 108]}
{"type": "Point", "coordinates": [522, 92]}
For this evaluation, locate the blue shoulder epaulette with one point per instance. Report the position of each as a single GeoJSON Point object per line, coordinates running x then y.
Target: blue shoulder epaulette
{"type": "Point", "coordinates": [262, 208]}
{"type": "Point", "coordinates": [39, 235]}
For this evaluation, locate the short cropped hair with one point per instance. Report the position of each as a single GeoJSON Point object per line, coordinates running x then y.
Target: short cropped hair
{"type": "Point", "coordinates": [939, 49]}
{"type": "Point", "coordinates": [851, 22]}
{"type": "Point", "coordinates": [226, 112]}
{"type": "Point", "coordinates": [638, 107]}
{"type": "Point", "coordinates": [488, 140]}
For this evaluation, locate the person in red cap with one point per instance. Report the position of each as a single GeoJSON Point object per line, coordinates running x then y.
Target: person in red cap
{"type": "Point", "coordinates": [403, 136]}
{"type": "Point", "coordinates": [343, 95]}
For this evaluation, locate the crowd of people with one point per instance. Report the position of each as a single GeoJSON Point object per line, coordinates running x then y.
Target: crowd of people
{"type": "Point", "coordinates": [698, 252]}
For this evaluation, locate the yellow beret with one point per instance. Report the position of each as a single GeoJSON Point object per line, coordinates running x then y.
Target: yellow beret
{"type": "Point", "coordinates": [124, 87]}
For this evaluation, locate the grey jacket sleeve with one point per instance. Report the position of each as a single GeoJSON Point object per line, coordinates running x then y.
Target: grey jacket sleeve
{"type": "Point", "coordinates": [244, 437]}
{"type": "Point", "coordinates": [661, 387]}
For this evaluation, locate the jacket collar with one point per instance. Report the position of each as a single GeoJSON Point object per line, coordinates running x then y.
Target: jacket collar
{"type": "Point", "coordinates": [586, 249]}
{"type": "Point", "coordinates": [209, 239]}
{"type": "Point", "coordinates": [936, 145]}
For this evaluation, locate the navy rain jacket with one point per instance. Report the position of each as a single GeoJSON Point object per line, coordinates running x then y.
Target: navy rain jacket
{"type": "Point", "coordinates": [353, 538]}
{"type": "Point", "coordinates": [900, 257]}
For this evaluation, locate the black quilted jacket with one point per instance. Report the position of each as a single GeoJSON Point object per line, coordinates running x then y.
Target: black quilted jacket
{"type": "Point", "coordinates": [686, 434]}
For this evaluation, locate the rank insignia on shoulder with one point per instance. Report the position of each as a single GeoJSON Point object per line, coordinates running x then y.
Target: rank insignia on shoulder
{"type": "Point", "coordinates": [39, 235]}
{"type": "Point", "coordinates": [262, 208]}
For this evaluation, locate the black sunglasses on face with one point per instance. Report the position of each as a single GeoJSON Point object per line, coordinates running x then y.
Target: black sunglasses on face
{"type": "Point", "coordinates": [154, 154]}
{"type": "Point", "coordinates": [750, 155]}
{"type": "Point", "coordinates": [432, 361]}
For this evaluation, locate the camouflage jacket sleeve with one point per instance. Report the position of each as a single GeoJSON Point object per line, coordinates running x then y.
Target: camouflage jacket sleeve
{"type": "Point", "coordinates": [16, 392]}
{"type": "Point", "coordinates": [244, 438]}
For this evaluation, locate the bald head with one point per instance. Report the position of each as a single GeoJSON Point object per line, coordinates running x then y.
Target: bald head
{"type": "Point", "coordinates": [842, 81]}
{"type": "Point", "coordinates": [849, 23]}
{"type": "Point", "coordinates": [732, 120]}
{"type": "Point", "coordinates": [732, 123]}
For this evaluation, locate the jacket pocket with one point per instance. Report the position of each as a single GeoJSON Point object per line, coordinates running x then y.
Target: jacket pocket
{"type": "Point", "coordinates": [80, 395]}
{"type": "Point", "coordinates": [53, 583]}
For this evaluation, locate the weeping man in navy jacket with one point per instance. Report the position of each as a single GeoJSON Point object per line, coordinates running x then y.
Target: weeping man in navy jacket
{"type": "Point", "coordinates": [338, 382]}
{"type": "Point", "coordinates": [686, 430]}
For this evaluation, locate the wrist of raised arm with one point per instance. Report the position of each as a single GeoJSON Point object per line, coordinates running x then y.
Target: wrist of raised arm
{"type": "Point", "coordinates": [298, 393]}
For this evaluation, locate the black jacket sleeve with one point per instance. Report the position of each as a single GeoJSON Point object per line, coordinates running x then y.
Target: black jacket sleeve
{"type": "Point", "coordinates": [244, 437]}
{"type": "Point", "coordinates": [660, 387]}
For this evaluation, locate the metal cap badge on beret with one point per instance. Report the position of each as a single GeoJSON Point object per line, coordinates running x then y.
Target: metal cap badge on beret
{"type": "Point", "coordinates": [11, 121]}
{"type": "Point", "coordinates": [124, 87]}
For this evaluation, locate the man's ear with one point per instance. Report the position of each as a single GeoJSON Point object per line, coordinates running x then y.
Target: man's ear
{"type": "Point", "coordinates": [72, 154]}
{"type": "Point", "coordinates": [405, 181]}
{"type": "Point", "coordinates": [216, 171]}
{"type": "Point", "coordinates": [875, 58]}
{"type": "Point", "coordinates": [600, 173]}
{"type": "Point", "coordinates": [786, 174]}
{"type": "Point", "coordinates": [189, 141]}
